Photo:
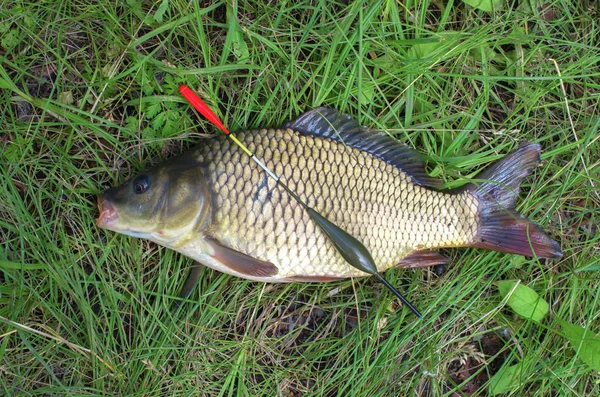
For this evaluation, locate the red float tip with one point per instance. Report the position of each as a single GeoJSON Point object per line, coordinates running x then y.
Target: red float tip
{"type": "Point", "coordinates": [201, 107]}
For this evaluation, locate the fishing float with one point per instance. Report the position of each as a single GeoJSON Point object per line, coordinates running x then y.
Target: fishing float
{"type": "Point", "coordinates": [352, 250]}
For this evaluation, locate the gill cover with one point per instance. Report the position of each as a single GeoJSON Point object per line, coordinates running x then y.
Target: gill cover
{"type": "Point", "coordinates": [165, 204]}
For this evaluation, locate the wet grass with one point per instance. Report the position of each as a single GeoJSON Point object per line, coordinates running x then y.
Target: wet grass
{"type": "Point", "coordinates": [89, 96]}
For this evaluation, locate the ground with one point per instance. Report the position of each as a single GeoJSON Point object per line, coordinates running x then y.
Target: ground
{"type": "Point", "coordinates": [89, 95]}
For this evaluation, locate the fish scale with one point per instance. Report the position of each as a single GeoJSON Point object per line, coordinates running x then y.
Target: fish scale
{"type": "Point", "coordinates": [371, 199]}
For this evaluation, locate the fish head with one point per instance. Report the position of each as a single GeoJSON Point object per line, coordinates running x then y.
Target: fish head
{"type": "Point", "coordinates": [165, 204]}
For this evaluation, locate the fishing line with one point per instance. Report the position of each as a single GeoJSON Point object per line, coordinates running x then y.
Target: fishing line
{"type": "Point", "coordinates": [352, 250]}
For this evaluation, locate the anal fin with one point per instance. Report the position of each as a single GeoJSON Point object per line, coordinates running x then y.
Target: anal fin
{"type": "Point", "coordinates": [423, 259]}
{"type": "Point", "coordinates": [240, 262]}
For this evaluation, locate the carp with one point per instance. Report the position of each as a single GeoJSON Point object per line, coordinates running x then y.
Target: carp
{"type": "Point", "coordinates": [216, 206]}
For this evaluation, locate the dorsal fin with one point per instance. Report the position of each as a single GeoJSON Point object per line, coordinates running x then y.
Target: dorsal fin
{"type": "Point", "coordinates": [329, 123]}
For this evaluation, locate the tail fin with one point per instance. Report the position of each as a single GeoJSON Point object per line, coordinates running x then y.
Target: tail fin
{"type": "Point", "coordinates": [502, 228]}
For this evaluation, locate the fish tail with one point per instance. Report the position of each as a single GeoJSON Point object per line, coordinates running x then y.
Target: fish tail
{"type": "Point", "coordinates": [502, 228]}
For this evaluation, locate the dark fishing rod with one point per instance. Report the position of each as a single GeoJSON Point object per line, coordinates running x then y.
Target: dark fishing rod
{"type": "Point", "coordinates": [352, 250]}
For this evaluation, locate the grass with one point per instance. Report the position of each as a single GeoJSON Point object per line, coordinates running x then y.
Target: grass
{"type": "Point", "coordinates": [89, 96]}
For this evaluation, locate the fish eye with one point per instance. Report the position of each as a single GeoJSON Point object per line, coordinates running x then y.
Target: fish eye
{"type": "Point", "coordinates": [141, 184]}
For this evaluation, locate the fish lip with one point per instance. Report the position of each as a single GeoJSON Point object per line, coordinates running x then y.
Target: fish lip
{"type": "Point", "coordinates": [108, 215]}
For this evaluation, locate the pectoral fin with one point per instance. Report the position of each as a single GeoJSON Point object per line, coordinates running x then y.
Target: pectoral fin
{"type": "Point", "coordinates": [191, 281]}
{"type": "Point", "coordinates": [241, 263]}
{"type": "Point", "coordinates": [189, 285]}
{"type": "Point", "coordinates": [423, 259]}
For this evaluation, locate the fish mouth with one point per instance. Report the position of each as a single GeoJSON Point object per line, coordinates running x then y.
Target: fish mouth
{"type": "Point", "coordinates": [108, 215]}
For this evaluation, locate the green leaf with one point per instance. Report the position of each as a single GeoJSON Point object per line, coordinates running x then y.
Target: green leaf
{"type": "Point", "coordinates": [438, 45]}
{"type": "Point", "coordinates": [234, 42]}
{"type": "Point", "coordinates": [590, 268]}
{"type": "Point", "coordinates": [136, 8]}
{"type": "Point", "coordinates": [22, 266]}
{"type": "Point", "coordinates": [158, 121]}
{"type": "Point", "coordinates": [172, 123]}
{"type": "Point", "coordinates": [5, 27]}
{"type": "Point", "coordinates": [485, 5]}
{"type": "Point", "coordinates": [132, 122]}
{"type": "Point", "coordinates": [152, 110]}
{"type": "Point", "coordinates": [10, 40]}
{"type": "Point", "coordinates": [237, 44]}
{"type": "Point", "coordinates": [366, 93]}
{"type": "Point", "coordinates": [585, 343]}
{"type": "Point", "coordinates": [11, 153]}
{"type": "Point", "coordinates": [158, 15]}
{"type": "Point", "coordinates": [16, 149]}
{"type": "Point", "coordinates": [7, 83]}
{"type": "Point", "coordinates": [4, 84]}
{"type": "Point", "coordinates": [506, 379]}
{"type": "Point", "coordinates": [149, 133]}
{"type": "Point", "coordinates": [523, 300]}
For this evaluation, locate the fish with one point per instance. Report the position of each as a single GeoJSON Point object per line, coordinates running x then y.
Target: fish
{"type": "Point", "coordinates": [217, 207]}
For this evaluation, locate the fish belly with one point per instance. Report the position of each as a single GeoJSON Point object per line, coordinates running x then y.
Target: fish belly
{"type": "Point", "coordinates": [369, 198]}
